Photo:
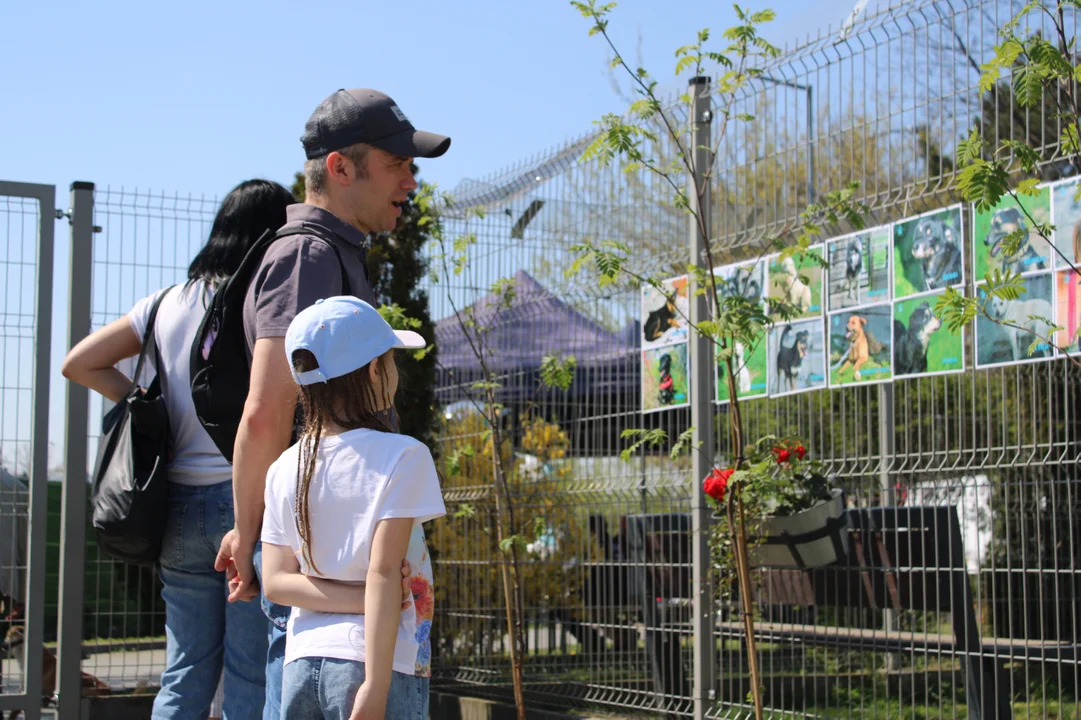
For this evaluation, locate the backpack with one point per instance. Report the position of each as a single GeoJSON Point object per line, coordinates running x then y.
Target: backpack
{"type": "Point", "coordinates": [220, 372]}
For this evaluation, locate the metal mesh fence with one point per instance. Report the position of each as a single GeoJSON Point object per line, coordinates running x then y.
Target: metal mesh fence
{"type": "Point", "coordinates": [607, 571]}
{"type": "Point", "coordinates": [19, 218]}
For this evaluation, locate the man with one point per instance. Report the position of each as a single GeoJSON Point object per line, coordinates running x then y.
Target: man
{"type": "Point", "coordinates": [359, 146]}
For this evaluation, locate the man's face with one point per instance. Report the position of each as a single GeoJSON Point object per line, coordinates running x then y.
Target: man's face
{"type": "Point", "coordinates": [376, 199]}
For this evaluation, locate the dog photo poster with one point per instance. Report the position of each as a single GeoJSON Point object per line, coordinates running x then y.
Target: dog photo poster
{"type": "Point", "coordinates": [1066, 206]}
{"type": "Point", "coordinates": [1068, 307]}
{"type": "Point", "coordinates": [664, 315]}
{"type": "Point", "coordinates": [990, 230]}
{"type": "Point", "coordinates": [928, 253]}
{"type": "Point", "coordinates": [861, 346]}
{"type": "Point", "coordinates": [751, 369]}
{"type": "Point", "coordinates": [797, 357]}
{"type": "Point", "coordinates": [997, 344]}
{"type": "Point", "coordinates": [859, 272]}
{"type": "Point", "coordinates": [746, 279]}
{"type": "Point", "coordinates": [799, 283]}
{"type": "Point", "coordinates": [922, 344]}
{"type": "Point", "coordinates": [665, 378]}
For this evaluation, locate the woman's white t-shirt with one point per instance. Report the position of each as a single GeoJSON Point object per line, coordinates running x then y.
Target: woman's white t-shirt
{"type": "Point", "coordinates": [361, 477]}
{"type": "Point", "coordinates": [196, 460]}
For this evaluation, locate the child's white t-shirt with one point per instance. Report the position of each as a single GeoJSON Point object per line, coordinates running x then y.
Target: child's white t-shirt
{"type": "Point", "coordinates": [361, 477]}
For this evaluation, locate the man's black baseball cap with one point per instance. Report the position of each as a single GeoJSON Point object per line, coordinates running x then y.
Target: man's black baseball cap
{"type": "Point", "coordinates": [363, 115]}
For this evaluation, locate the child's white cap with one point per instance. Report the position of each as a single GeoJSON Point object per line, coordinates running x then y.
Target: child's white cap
{"type": "Point", "coordinates": [344, 333]}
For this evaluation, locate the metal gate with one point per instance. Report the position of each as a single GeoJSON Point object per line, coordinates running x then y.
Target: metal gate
{"type": "Point", "coordinates": [27, 214]}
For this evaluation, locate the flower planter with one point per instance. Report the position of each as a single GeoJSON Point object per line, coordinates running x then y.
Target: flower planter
{"type": "Point", "coordinates": [813, 538]}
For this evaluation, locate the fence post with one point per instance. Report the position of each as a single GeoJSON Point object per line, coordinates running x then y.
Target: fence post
{"type": "Point", "coordinates": [703, 377]}
{"type": "Point", "coordinates": [886, 448]}
{"type": "Point", "coordinates": [73, 512]}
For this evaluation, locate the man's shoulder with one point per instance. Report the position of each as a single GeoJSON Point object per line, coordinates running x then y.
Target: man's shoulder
{"type": "Point", "coordinates": [299, 247]}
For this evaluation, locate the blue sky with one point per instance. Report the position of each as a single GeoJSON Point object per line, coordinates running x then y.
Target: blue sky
{"type": "Point", "coordinates": [197, 96]}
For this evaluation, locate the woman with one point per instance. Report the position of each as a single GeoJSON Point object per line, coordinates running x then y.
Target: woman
{"type": "Point", "coordinates": [205, 634]}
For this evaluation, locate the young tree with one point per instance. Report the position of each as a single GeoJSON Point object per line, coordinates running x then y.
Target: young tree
{"type": "Point", "coordinates": [1046, 75]}
{"type": "Point", "coordinates": [732, 318]}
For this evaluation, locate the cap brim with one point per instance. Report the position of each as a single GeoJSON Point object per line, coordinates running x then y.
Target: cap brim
{"type": "Point", "coordinates": [414, 144]}
{"type": "Point", "coordinates": [410, 340]}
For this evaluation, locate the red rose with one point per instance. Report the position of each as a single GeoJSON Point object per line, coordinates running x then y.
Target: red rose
{"type": "Point", "coordinates": [716, 483]}
{"type": "Point", "coordinates": [800, 452]}
{"type": "Point", "coordinates": [782, 454]}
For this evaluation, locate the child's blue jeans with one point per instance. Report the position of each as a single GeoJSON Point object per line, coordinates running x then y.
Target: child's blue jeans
{"type": "Point", "coordinates": [325, 688]}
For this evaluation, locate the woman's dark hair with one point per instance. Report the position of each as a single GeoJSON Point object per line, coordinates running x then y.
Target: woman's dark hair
{"type": "Point", "coordinates": [250, 209]}
{"type": "Point", "coordinates": [350, 401]}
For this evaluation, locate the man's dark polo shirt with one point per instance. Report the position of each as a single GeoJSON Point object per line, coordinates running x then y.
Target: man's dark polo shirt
{"type": "Point", "coordinates": [300, 269]}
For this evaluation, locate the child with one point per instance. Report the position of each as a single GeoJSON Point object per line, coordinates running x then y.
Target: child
{"type": "Point", "coordinates": [344, 505]}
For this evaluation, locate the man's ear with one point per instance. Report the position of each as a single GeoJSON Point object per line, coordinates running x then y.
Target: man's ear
{"type": "Point", "coordinates": [340, 169]}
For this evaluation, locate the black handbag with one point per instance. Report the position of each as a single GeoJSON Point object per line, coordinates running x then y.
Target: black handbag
{"type": "Point", "coordinates": [130, 492]}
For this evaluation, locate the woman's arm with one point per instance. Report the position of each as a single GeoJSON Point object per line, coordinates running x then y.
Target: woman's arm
{"type": "Point", "coordinates": [389, 546]}
{"type": "Point", "coordinates": [90, 363]}
{"type": "Point", "coordinates": [284, 584]}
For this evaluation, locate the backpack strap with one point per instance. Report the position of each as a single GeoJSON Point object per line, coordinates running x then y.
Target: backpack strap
{"type": "Point", "coordinates": [330, 238]}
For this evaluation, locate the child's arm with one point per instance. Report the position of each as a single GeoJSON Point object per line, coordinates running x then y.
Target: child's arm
{"type": "Point", "coordinates": [284, 584]}
{"type": "Point", "coordinates": [382, 616]}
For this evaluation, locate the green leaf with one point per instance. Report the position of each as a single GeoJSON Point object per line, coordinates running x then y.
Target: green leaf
{"type": "Point", "coordinates": [1005, 56]}
{"type": "Point", "coordinates": [465, 510]}
{"type": "Point", "coordinates": [652, 438]}
{"type": "Point", "coordinates": [1029, 187]}
{"type": "Point", "coordinates": [682, 443]}
{"type": "Point", "coordinates": [1028, 86]}
{"type": "Point", "coordinates": [685, 62]}
{"type": "Point", "coordinates": [558, 372]}
{"type": "Point", "coordinates": [397, 317]}
{"type": "Point", "coordinates": [1012, 242]}
{"type": "Point", "coordinates": [513, 541]}
{"type": "Point", "coordinates": [1070, 144]}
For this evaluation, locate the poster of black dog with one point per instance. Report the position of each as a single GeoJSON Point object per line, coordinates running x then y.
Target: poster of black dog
{"type": "Point", "coordinates": [797, 357]}
{"type": "Point", "coordinates": [859, 272]}
{"type": "Point", "coordinates": [922, 344]}
{"type": "Point", "coordinates": [1019, 324]}
{"type": "Point", "coordinates": [927, 253]}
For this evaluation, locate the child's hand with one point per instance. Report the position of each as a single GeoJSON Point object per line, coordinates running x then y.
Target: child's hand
{"type": "Point", "coordinates": [370, 704]}
{"type": "Point", "coordinates": [407, 582]}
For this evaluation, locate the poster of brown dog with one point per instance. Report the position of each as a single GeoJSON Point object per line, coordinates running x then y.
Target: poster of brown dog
{"type": "Point", "coordinates": [861, 346]}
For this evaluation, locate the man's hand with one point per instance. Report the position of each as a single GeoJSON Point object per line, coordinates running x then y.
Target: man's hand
{"type": "Point", "coordinates": [370, 704]}
{"type": "Point", "coordinates": [235, 561]}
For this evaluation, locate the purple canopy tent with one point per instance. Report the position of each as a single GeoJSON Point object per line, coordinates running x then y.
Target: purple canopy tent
{"type": "Point", "coordinates": [535, 325]}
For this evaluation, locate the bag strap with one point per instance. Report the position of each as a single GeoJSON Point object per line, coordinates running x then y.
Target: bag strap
{"type": "Point", "coordinates": [330, 238]}
{"type": "Point", "coordinates": [150, 343]}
